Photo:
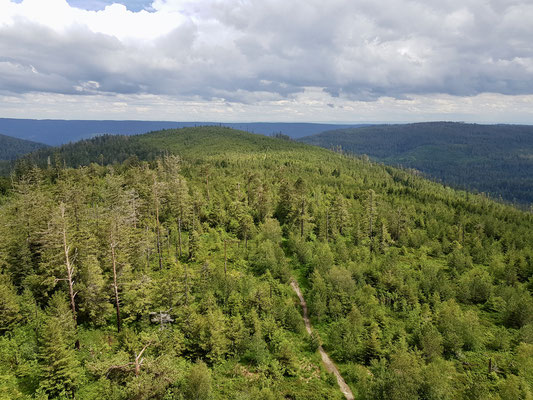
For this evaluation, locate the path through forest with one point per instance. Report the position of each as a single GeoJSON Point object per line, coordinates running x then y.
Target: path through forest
{"type": "Point", "coordinates": [330, 365]}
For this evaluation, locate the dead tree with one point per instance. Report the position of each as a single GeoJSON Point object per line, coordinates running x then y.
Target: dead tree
{"type": "Point", "coordinates": [69, 264]}
{"type": "Point", "coordinates": [113, 246]}
{"type": "Point", "coordinates": [137, 363]}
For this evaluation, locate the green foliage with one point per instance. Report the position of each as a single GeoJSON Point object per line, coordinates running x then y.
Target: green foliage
{"type": "Point", "coordinates": [12, 148]}
{"type": "Point", "coordinates": [198, 382]}
{"type": "Point", "coordinates": [9, 308]}
{"type": "Point", "coordinates": [488, 158]}
{"type": "Point", "coordinates": [412, 287]}
{"type": "Point", "coordinates": [61, 372]}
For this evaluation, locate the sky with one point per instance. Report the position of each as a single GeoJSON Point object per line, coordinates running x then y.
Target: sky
{"type": "Point", "coordinates": [268, 60]}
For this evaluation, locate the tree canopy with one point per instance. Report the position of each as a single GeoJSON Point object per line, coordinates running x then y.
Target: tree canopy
{"type": "Point", "coordinates": [180, 260]}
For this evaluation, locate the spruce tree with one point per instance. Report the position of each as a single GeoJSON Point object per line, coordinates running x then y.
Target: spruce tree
{"type": "Point", "coordinates": [60, 367]}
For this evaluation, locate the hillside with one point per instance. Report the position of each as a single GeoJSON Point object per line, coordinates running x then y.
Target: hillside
{"type": "Point", "coordinates": [56, 132]}
{"type": "Point", "coordinates": [197, 142]}
{"type": "Point", "coordinates": [495, 159]}
{"type": "Point", "coordinates": [11, 148]}
{"type": "Point", "coordinates": [170, 278]}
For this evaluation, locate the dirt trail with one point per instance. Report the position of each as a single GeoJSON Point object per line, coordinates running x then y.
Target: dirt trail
{"type": "Point", "coordinates": [330, 365]}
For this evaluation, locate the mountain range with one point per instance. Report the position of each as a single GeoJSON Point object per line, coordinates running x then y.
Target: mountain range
{"type": "Point", "coordinates": [494, 159]}
{"type": "Point", "coordinates": [56, 132]}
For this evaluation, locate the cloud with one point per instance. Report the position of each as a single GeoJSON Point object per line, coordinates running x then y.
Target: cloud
{"type": "Point", "coordinates": [251, 51]}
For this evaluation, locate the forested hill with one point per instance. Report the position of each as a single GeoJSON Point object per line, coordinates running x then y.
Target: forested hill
{"type": "Point", "coordinates": [496, 159]}
{"type": "Point", "coordinates": [12, 148]}
{"type": "Point", "coordinates": [170, 278]}
{"type": "Point", "coordinates": [200, 142]}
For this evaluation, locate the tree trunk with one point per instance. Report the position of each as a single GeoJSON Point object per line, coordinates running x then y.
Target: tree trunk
{"type": "Point", "coordinates": [139, 360]}
{"type": "Point", "coordinates": [69, 266]}
{"type": "Point", "coordinates": [115, 286]}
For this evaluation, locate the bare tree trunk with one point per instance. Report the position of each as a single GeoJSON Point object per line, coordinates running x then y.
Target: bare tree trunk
{"type": "Point", "coordinates": [139, 360]}
{"type": "Point", "coordinates": [115, 286]}
{"type": "Point", "coordinates": [68, 264]}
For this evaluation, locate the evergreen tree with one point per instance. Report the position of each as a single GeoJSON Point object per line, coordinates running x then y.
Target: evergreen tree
{"type": "Point", "coordinates": [60, 367]}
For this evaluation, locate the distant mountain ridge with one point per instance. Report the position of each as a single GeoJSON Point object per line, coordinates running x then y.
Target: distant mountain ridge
{"type": "Point", "coordinates": [496, 159]}
{"type": "Point", "coordinates": [56, 132]}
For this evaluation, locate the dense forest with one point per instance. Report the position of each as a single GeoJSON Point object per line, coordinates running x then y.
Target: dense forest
{"type": "Point", "coordinates": [12, 148]}
{"type": "Point", "coordinates": [494, 159]}
{"type": "Point", "coordinates": [159, 267]}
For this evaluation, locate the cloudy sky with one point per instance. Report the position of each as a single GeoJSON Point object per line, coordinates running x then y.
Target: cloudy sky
{"type": "Point", "coordinates": [268, 60]}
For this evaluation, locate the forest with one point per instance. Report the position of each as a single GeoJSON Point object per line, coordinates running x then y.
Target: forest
{"type": "Point", "coordinates": [158, 266]}
{"type": "Point", "coordinates": [12, 148]}
{"type": "Point", "coordinates": [493, 159]}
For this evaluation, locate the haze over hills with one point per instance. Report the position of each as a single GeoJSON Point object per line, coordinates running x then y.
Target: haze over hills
{"type": "Point", "coordinates": [496, 159]}
{"type": "Point", "coordinates": [57, 132]}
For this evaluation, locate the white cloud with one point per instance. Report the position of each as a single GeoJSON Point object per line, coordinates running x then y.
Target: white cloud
{"type": "Point", "coordinates": [259, 52]}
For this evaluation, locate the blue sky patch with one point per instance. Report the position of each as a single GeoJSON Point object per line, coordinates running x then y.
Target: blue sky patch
{"type": "Point", "coordinates": [132, 5]}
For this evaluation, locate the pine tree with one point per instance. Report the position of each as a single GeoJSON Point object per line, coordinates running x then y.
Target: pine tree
{"type": "Point", "coordinates": [9, 308]}
{"type": "Point", "coordinates": [384, 238]}
{"type": "Point", "coordinates": [93, 299]}
{"type": "Point", "coordinates": [318, 296]}
{"type": "Point", "coordinates": [60, 368]}
{"type": "Point", "coordinates": [121, 219]}
{"type": "Point", "coordinates": [58, 240]}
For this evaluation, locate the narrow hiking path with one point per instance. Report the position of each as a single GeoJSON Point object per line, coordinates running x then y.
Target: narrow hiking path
{"type": "Point", "coordinates": [330, 365]}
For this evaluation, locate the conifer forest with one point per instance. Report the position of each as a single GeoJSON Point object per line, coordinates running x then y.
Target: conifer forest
{"type": "Point", "coordinates": [159, 266]}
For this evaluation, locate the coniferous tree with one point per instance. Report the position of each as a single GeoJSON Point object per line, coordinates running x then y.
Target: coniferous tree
{"type": "Point", "coordinates": [60, 367]}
